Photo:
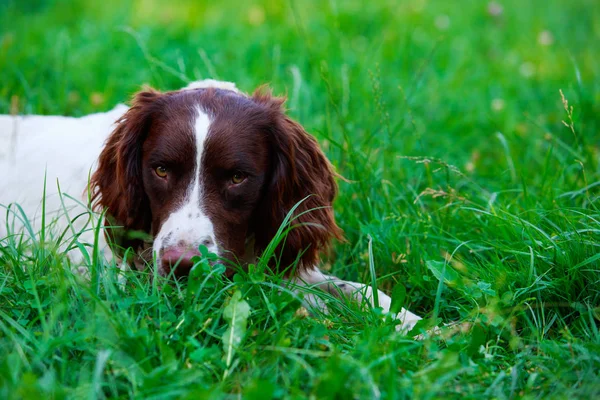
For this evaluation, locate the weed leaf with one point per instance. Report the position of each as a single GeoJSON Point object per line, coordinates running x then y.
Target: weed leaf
{"type": "Point", "coordinates": [398, 298]}
{"type": "Point", "coordinates": [236, 314]}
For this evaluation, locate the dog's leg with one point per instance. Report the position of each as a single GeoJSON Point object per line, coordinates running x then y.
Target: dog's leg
{"type": "Point", "coordinates": [357, 291]}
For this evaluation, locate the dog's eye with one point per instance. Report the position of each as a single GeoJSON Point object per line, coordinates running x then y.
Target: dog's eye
{"type": "Point", "coordinates": [238, 178]}
{"type": "Point", "coordinates": [161, 171]}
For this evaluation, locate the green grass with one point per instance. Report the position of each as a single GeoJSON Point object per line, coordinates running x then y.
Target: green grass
{"type": "Point", "coordinates": [447, 122]}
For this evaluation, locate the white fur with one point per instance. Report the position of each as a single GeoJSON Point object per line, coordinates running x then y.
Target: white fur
{"type": "Point", "coordinates": [64, 150]}
{"type": "Point", "coordinates": [357, 291]}
{"type": "Point", "coordinates": [189, 226]}
{"type": "Point", "coordinates": [208, 83]}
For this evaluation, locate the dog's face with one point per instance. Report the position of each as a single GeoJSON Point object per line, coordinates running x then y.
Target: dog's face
{"type": "Point", "coordinates": [217, 168]}
{"type": "Point", "coordinates": [204, 166]}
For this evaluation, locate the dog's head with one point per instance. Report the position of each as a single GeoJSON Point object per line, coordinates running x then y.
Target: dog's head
{"type": "Point", "coordinates": [212, 166]}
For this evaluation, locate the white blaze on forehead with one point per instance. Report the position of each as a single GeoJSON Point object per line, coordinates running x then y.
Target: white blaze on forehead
{"type": "Point", "coordinates": [201, 126]}
{"type": "Point", "coordinates": [188, 225]}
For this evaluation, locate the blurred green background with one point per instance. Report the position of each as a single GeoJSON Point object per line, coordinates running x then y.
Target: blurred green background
{"type": "Point", "coordinates": [406, 77]}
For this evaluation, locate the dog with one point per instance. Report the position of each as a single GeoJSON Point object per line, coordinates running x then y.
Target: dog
{"type": "Point", "coordinates": [204, 166]}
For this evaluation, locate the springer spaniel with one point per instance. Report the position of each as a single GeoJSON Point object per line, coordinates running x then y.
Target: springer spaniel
{"type": "Point", "coordinates": [202, 166]}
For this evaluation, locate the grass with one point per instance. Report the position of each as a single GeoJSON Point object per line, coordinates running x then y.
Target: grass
{"type": "Point", "coordinates": [470, 138]}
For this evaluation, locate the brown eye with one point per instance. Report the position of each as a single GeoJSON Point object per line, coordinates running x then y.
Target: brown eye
{"type": "Point", "coordinates": [238, 178]}
{"type": "Point", "coordinates": [161, 171]}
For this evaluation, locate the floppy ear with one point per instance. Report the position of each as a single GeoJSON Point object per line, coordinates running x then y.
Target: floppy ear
{"type": "Point", "coordinates": [299, 170]}
{"type": "Point", "coordinates": [116, 185]}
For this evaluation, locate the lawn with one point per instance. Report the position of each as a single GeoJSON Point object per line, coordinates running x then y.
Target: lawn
{"type": "Point", "coordinates": [468, 134]}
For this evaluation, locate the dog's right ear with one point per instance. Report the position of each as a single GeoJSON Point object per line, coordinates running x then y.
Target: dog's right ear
{"type": "Point", "coordinates": [300, 172]}
{"type": "Point", "coordinates": [116, 186]}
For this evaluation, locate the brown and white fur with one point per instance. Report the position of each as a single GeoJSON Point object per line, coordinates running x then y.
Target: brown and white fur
{"type": "Point", "coordinates": [206, 165]}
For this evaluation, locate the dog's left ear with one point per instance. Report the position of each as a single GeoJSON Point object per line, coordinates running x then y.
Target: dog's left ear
{"type": "Point", "coordinates": [299, 170]}
{"type": "Point", "coordinates": [117, 185]}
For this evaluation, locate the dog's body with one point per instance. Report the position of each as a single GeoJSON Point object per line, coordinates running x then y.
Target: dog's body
{"type": "Point", "coordinates": [60, 151]}
{"type": "Point", "coordinates": [205, 165]}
